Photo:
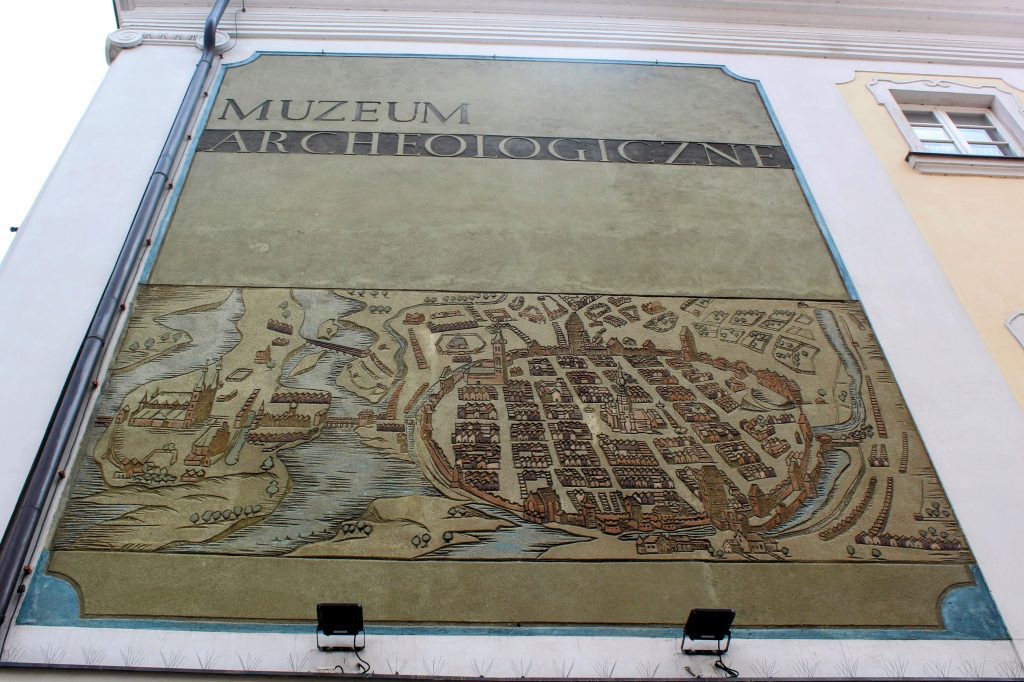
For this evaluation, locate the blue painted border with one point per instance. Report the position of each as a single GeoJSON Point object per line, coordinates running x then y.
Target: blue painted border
{"type": "Point", "coordinates": [161, 231]}
{"type": "Point", "coordinates": [819, 219]}
{"type": "Point", "coordinates": [968, 613]}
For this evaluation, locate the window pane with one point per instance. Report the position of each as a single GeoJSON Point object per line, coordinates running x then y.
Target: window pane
{"type": "Point", "coordinates": [928, 133]}
{"type": "Point", "coordinates": [970, 119]}
{"type": "Point", "coordinates": [947, 148]}
{"type": "Point", "coordinates": [989, 150]}
{"type": "Point", "coordinates": [920, 116]}
{"type": "Point", "coordinates": [980, 134]}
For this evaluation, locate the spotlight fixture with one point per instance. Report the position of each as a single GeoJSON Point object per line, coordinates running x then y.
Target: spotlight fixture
{"type": "Point", "coordinates": [709, 625]}
{"type": "Point", "coordinates": [340, 620]}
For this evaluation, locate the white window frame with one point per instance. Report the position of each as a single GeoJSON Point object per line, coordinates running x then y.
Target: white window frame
{"type": "Point", "coordinates": [963, 146]}
{"type": "Point", "coordinates": [940, 96]}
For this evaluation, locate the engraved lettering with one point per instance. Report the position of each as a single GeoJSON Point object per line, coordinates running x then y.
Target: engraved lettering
{"type": "Point", "coordinates": [480, 149]}
{"type": "Point", "coordinates": [462, 110]}
{"type": "Point", "coordinates": [400, 150]}
{"type": "Point", "coordinates": [234, 136]}
{"type": "Point", "coordinates": [286, 105]}
{"type": "Point", "coordinates": [621, 149]}
{"type": "Point", "coordinates": [581, 154]}
{"type": "Point", "coordinates": [323, 115]}
{"type": "Point", "coordinates": [365, 109]}
{"type": "Point", "coordinates": [304, 142]}
{"type": "Point", "coordinates": [428, 144]}
{"type": "Point", "coordinates": [692, 154]}
{"type": "Point", "coordinates": [483, 146]}
{"type": "Point", "coordinates": [503, 147]}
{"type": "Point", "coordinates": [708, 149]}
{"type": "Point", "coordinates": [680, 146]}
{"type": "Point", "coordinates": [263, 108]}
{"type": "Point", "coordinates": [372, 143]}
{"type": "Point", "coordinates": [763, 154]}
{"type": "Point", "coordinates": [278, 142]}
{"type": "Point", "coordinates": [392, 116]}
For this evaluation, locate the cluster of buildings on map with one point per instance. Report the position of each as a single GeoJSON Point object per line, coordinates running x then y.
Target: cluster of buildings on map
{"type": "Point", "coordinates": [665, 457]}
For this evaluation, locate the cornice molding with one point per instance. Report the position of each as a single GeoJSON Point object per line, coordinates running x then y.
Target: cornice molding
{"type": "Point", "coordinates": [165, 24]}
{"type": "Point", "coordinates": [955, 17]}
{"type": "Point", "coordinates": [127, 38]}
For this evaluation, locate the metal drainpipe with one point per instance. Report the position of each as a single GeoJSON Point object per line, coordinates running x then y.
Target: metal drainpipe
{"type": "Point", "coordinates": [82, 380]}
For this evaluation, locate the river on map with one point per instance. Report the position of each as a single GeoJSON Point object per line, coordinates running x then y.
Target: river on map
{"type": "Point", "coordinates": [214, 333]}
{"type": "Point", "coordinates": [836, 461]}
{"type": "Point", "coordinates": [334, 477]}
{"type": "Point", "coordinates": [705, 531]}
{"type": "Point", "coordinates": [320, 305]}
{"type": "Point", "coordinates": [523, 540]}
{"type": "Point", "coordinates": [830, 327]}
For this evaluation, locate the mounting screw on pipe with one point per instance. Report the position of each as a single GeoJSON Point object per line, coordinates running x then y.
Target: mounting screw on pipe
{"type": "Point", "coordinates": [95, 383]}
{"type": "Point", "coordinates": [62, 474]}
{"type": "Point", "coordinates": [27, 570]}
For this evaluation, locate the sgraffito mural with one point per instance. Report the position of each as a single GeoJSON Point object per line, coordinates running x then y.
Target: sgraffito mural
{"type": "Point", "coordinates": [404, 425]}
{"type": "Point", "coordinates": [413, 426]}
{"type": "Point", "coordinates": [491, 433]}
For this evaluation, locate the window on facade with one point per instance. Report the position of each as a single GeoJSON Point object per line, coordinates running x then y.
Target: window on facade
{"type": "Point", "coordinates": [958, 130]}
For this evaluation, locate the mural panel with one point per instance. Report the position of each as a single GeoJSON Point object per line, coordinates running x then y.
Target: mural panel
{"type": "Point", "coordinates": [482, 427]}
{"type": "Point", "coordinates": [484, 341]}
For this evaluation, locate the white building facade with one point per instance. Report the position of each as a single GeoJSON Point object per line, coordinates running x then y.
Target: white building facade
{"type": "Point", "coordinates": [842, 88]}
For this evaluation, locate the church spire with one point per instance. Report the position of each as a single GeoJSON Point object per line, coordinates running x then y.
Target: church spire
{"type": "Point", "coordinates": [498, 355]}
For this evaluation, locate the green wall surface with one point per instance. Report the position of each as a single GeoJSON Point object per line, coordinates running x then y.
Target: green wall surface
{"type": "Point", "coordinates": [286, 217]}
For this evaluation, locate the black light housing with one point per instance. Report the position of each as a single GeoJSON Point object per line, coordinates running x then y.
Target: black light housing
{"type": "Point", "coordinates": [339, 619]}
{"type": "Point", "coordinates": [708, 625]}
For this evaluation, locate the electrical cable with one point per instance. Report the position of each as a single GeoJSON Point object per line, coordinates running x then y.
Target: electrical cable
{"type": "Point", "coordinates": [720, 664]}
{"type": "Point", "coordinates": [234, 38]}
{"type": "Point", "coordinates": [363, 664]}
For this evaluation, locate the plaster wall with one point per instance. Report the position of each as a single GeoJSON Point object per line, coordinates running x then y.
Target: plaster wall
{"type": "Point", "coordinates": [63, 254]}
{"type": "Point", "coordinates": [950, 385]}
{"type": "Point", "coordinates": [971, 223]}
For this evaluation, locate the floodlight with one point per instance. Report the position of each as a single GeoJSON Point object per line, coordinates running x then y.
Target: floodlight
{"type": "Point", "coordinates": [708, 625]}
{"type": "Point", "coordinates": [340, 620]}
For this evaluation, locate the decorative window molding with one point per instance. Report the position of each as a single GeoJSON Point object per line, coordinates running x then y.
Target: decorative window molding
{"type": "Point", "coordinates": [956, 129]}
{"type": "Point", "coordinates": [1015, 324]}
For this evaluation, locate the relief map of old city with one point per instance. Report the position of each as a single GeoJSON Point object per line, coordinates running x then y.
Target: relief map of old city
{"type": "Point", "coordinates": [265, 440]}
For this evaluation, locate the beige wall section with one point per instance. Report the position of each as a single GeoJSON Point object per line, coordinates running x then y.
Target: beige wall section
{"type": "Point", "coordinates": [971, 223]}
